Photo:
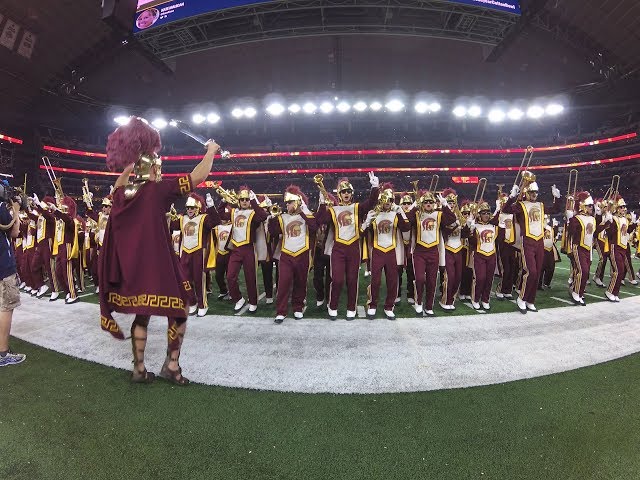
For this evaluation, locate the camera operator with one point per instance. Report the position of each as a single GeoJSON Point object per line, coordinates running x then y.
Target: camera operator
{"type": "Point", "coordinates": [9, 293]}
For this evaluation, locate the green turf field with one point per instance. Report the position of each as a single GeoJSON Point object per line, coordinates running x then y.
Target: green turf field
{"type": "Point", "coordinates": [64, 418]}
{"type": "Point", "coordinates": [545, 298]}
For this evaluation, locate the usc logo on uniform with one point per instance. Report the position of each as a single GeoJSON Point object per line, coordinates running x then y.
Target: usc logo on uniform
{"type": "Point", "coordinates": [345, 219]}
{"type": "Point", "coordinates": [534, 214]}
{"type": "Point", "coordinates": [222, 236]}
{"type": "Point", "coordinates": [240, 221]}
{"type": "Point", "coordinates": [429, 224]}
{"type": "Point", "coordinates": [384, 226]}
{"type": "Point", "coordinates": [486, 236]}
{"type": "Point", "coordinates": [294, 229]}
{"type": "Point", "coordinates": [189, 229]}
{"type": "Point", "coordinates": [508, 223]}
{"type": "Point", "coordinates": [588, 228]}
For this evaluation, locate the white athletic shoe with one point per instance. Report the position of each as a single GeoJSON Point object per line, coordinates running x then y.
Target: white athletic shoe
{"type": "Point", "coordinates": [398, 300]}
{"type": "Point", "coordinates": [500, 295]}
{"type": "Point", "coordinates": [575, 297]}
{"type": "Point", "coordinates": [43, 289]}
{"type": "Point", "coordinates": [202, 311]}
{"type": "Point", "coordinates": [611, 297]}
{"type": "Point", "coordinates": [67, 297]}
{"type": "Point", "coordinates": [239, 304]}
{"type": "Point", "coordinates": [486, 306]}
{"type": "Point", "coordinates": [22, 285]}
{"type": "Point", "coordinates": [54, 296]}
{"type": "Point", "coordinates": [522, 306]}
{"type": "Point", "coordinates": [531, 307]}
{"type": "Point", "coordinates": [390, 315]}
{"type": "Point", "coordinates": [279, 319]}
{"type": "Point", "coordinates": [252, 308]}
{"type": "Point", "coordinates": [429, 313]}
{"type": "Point", "coordinates": [319, 303]}
{"type": "Point", "coordinates": [617, 298]}
{"type": "Point", "coordinates": [298, 315]}
{"type": "Point", "coordinates": [268, 300]}
{"type": "Point", "coordinates": [508, 296]}
{"type": "Point", "coordinates": [193, 309]}
{"type": "Point", "coordinates": [28, 289]}
{"type": "Point", "coordinates": [633, 282]}
{"type": "Point", "coordinates": [598, 282]}
{"type": "Point", "coordinates": [418, 308]}
{"type": "Point", "coordinates": [623, 284]}
{"type": "Point", "coordinates": [367, 273]}
{"type": "Point", "coordinates": [371, 312]}
{"type": "Point", "coordinates": [411, 301]}
{"type": "Point", "coordinates": [71, 300]}
{"type": "Point", "coordinates": [97, 290]}
{"type": "Point", "coordinates": [351, 314]}
{"type": "Point", "coordinates": [333, 314]}
{"type": "Point", "coordinates": [475, 305]}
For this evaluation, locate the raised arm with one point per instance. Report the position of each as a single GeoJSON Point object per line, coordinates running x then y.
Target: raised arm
{"type": "Point", "coordinates": [201, 171]}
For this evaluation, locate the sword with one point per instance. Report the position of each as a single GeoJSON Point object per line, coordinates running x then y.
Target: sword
{"type": "Point", "coordinates": [184, 128]}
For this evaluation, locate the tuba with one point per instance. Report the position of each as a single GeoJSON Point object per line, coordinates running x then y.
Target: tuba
{"type": "Point", "coordinates": [319, 180]}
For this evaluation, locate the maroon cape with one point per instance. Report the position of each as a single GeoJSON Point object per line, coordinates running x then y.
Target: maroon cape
{"type": "Point", "coordinates": [139, 271]}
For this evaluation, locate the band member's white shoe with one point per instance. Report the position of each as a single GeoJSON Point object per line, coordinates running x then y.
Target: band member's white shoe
{"type": "Point", "coordinates": [575, 297]}
{"type": "Point", "coordinates": [522, 306]}
{"type": "Point", "coordinates": [239, 304]}
{"type": "Point", "coordinates": [445, 306]}
{"type": "Point", "coordinates": [319, 303]}
{"type": "Point", "coordinates": [54, 296]}
{"type": "Point", "coordinates": [279, 319]}
{"type": "Point", "coordinates": [193, 309]}
{"type": "Point", "coordinates": [71, 300]}
{"type": "Point", "coordinates": [43, 289]}
{"type": "Point", "coordinates": [429, 313]}
{"type": "Point", "coordinates": [367, 273]}
{"type": "Point", "coordinates": [598, 282]}
{"type": "Point", "coordinates": [298, 315]}
{"type": "Point", "coordinates": [610, 296]}
{"type": "Point", "coordinates": [252, 308]}
{"type": "Point", "coordinates": [411, 301]}
{"type": "Point", "coordinates": [202, 311]}
{"type": "Point", "coordinates": [351, 314]}
{"type": "Point", "coordinates": [486, 306]}
{"type": "Point", "coordinates": [371, 313]}
{"type": "Point", "coordinates": [22, 285]}
{"type": "Point", "coordinates": [28, 289]}
{"type": "Point", "coordinates": [418, 308]}
{"type": "Point", "coordinates": [97, 290]}
{"type": "Point", "coordinates": [268, 300]}
{"type": "Point", "coordinates": [508, 296]}
{"type": "Point", "coordinates": [617, 298]}
{"type": "Point", "coordinates": [475, 305]}
{"type": "Point", "coordinates": [390, 315]}
{"type": "Point", "coordinates": [623, 284]}
{"type": "Point", "coordinates": [398, 300]}
{"type": "Point", "coordinates": [531, 307]}
{"type": "Point", "coordinates": [500, 295]}
{"type": "Point", "coordinates": [633, 282]}
{"type": "Point", "coordinates": [333, 314]}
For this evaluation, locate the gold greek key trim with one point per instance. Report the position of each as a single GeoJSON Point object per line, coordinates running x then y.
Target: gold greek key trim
{"type": "Point", "coordinates": [144, 300]}
{"type": "Point", "coordinates": [185, 185]}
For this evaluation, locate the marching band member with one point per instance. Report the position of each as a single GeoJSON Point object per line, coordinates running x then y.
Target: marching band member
{"type": "Point", "coordinates": [139, 272]}
{"type": "Point", "coordinates": [343, 243]}
{"type": "Point", "coordinates": [27, 246]}
{"type": "Point", "coordinates": [387, 221]}
{"type": "Point", "coordinates": [195, 228]}
{"type": "Point", "coordinates": [267, 265]}
{"type": "Point", "coordinates": [406, 203]}
{"type": "Point", "coordinates": [321, 263]}
{"type": "Point", "coordinates": [529, 213]}
{"type": "Point", "coordinates": [65, 247]}
{"type": "Point", "coordinates": [628, 264]}
{"type": "Point", "coordinates": [482, 235]}
{"type": "Point", "coordinates": [506, 255]}
{"type": "Point", "coordinates": [246, 218]}
{"type": "Point", "coordinates": [220, 236]}
{"type": "Point", "coordinates": [618, 233]}
{"type": "Point", "coordinates": [100, 218]}
{"type": "Point", "coordinates": [43, 259]}
{"type": "Point", "coordinates": [454, 255]}
{"type": "Point", "coordinates": [583, 229]}
{"type": "Point", "coordinates": [296, 225]}
{"type": "Point", "coordinates": [427, 223]}
{"type": "Point", "coordinates": [467, 274]}
{"type": "Point", "coordinates": [551, 255]}
{"type": "Point", "coordinates": [602, 247]}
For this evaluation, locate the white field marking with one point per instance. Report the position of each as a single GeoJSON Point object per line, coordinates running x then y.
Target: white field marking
{"type": "Point", "coordinates": [85, 295]}
{"type": "Point", "coordinates": [627, 293]}
{"type": "Point", "coordinates": [471, 307]}
{"type": "Point", "coordinates": [562, 300]}
{"type": "Point", "coordinates": [242, 310]}
{"type": "Point", "coordinates": [595, 296]}
{"type": "Point", "coordinates": [360, 311]}
{"type": "Point", "coordinates": [562, 268]}
{"type": "Point", "coordinates": [261, 296]}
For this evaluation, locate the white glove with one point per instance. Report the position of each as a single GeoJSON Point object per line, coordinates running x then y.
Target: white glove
{"type": "Point", "coordinates": [209, 200]}
{"type": "Point", "coordinates": [395, 208]}
{"type": "Point", "coordinates": [370, 216]}
{"type": "Point", "coordinates": [555, 191]}
{"type": "Point", "coordinates": [554, 222]}
{"type": "Point", "coordinates": [633, 217]}
{"type": "Point", "coordinates": [608, 217]}
{"type": "Point", "coordinates": [321, 198]}
{"type": "Point", "coordinates": [498, 204]}
{"type": "Point", "coordinates": [515, 190]}
{"type": "Point", "coordinates": [442, 200]}
{"type": "Point", "coordinates": [373, 180]}
{"type": "Point", "coordinates": [35, 198]}
{"type": "Point", "coordinates": [568, 214]}
{"type": "Point", "coordinates": [471, 223]}
{"type": "Point", "coordinates": [597, 209]}
{"type": "Point", "coordinates": [267, 201]}
{"type": "Point", "coordinates": [44, 205]}
{"type": "Point", "coordinates": [252, 196]}
{"type": "Point", "coordinates": [304, 208]}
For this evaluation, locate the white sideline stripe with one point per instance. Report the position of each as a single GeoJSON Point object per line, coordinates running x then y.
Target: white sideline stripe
{"type": "Point", "coordinates": [563, 268]}
{"type": "Point", "coordinates": [595, 296]}
{"type": "Point", "coordinates": [562, 300]}
{"type": "Point", "coordinates": [627, 293]}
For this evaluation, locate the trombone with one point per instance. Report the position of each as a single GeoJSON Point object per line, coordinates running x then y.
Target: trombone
{"type": "Point", "coordinates": [572, 189]}
{"type": "Point", "coordinates": [434, 183]}
{"type": "Point", "coordinates": [524, 165]}
{"type": "Point", "coordinates": [610, 196]}
{"type": "Point", "coordinates": [319, 180]}
{"type": "Point", "coordinates": [86, 194]}
{"type": "Point", "coordinates": [50, 173]}
{"type": "Point", "coordinates": [415, 189]}
{"type": "Point", "coordinates": [479, 195]}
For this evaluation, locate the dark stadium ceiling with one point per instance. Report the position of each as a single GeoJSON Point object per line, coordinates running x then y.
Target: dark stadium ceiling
{"type": "Point", "coordinates": [318, 45]}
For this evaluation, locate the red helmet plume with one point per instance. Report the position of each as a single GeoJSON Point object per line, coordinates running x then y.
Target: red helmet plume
{"type": "Point", "coordinates": [128, 142]}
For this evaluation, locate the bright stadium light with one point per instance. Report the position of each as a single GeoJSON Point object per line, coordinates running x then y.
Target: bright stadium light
{"type": "Point", "coordinates": [343, 107]}
{"type": "Point", "coordinates": [515, 114]}
{"type": "Point", "coordinates": [250, 112]}
{"type": "Point", "coordinates": [460, 111]}
{"type": "Point", "coordinates": [535, 111]}
{"type": "Point", "coordinates": [309, 108]}
{"type": "Point", "coordinates": [275, 109]}
{"type": "Point", "coordinates": [198, 118]}
{"type": "Point", "coordinates": [122, 119]}
{"type": "Point", "coordinates": [435, 107]}
{"type": "Point", "coordinates": [554, 109]}
{"type": "Point", "coordinates": [294, 108]}
{"type": "Point", "coordinates": [213, 118]}
{"type": "Point", "coordinates": [159, 123]}
{"type": "Point", "coordinates": [360, 106]}
{"type": "Point", "coordinates": [173, 123]}
{"type": "Point", "coordinates": [326, 107]}
{"type": "Point", "coordinates": [421, 107]}
{"type": "Point", "coordinates": [395, 105]}
{"type": "Point", "coordinates": [375, 106]}
{"type": "Point", "coordinates": [237, 112]}
{"type": "Point", "coordinates": [475, 111]}
{"type": "Point", "coordinates": [496, 115]}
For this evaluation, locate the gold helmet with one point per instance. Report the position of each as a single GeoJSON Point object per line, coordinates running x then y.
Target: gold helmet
{"type": "Point", "coordinates": [193, 202]}
{"type": "Point", "coordinates": [483, 207]}
{"type": "Point", "coordinates": [406, 199]}
{"type": "Point", "coordinates": [344, 184]}
{"type": "Point", "coordinates": [106, 202]}
{"type": "Point", "coordinates": [427, 196]}
{"type": "Point", "coordinates": [244, 193]}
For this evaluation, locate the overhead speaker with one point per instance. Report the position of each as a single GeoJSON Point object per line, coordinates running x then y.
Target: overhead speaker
{"type": "Point", "coordinates": [119, 14]}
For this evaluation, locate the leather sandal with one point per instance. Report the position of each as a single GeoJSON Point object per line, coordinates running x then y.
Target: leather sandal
{"type": "Point", "coordinates": [174, 376]}
{"type": "Point", "coordinates": [142, 377]}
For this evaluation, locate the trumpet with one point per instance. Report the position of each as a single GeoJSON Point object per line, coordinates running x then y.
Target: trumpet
{"type": "Point", "coordinates": [319, 180]}
{"type": "Point", "coordinates": [572, 189]}
{"type": "Point", "coordinates": [228, 196]}
{"type": "Point", "coordinates": [87, 196]}
{"type": "Point", "coordinates": [275, 210]}
{"type": "Point", "coordinates": [415, 188]}
{"type": "Point", "coordinates": [173, 213]}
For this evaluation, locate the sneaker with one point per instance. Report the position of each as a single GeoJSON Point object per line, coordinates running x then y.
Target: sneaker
{"type": "Point", "coordinates": [522, 306]}
{"type": "Point", "coordinates": [333, 314]}
{"type": "Point", "coordinates": [298, 315]}
{"type": "Point", "coordinates": [268, 300]}
{"type": "Point", "coordinates": [598, 282]}
{"type": "Point", "coordinates": [486, 306]}
{"type": "Point", "coordinates": [611, 297]}
{"type": "Point", "coordinates": [193, 309]}
{"type": "Point", "coordinates": [475, 305]}
{"type": "Point", "coordinates": [367, 273]}
{"type": "Point", "coordinates": [623, 284]}
{"type": "Point", "coordinates": [617, 298]}
{"type": "Point", "coordinates": [34, 292]}
{"type": "Point", "coordinates": [221, 296]}
{"type": "Point", "coordinates": [71, 300]}
{"type": "Point", "coordinates": [398, 300]}
{"type": "Point", "coordinates": [239, 304]}
{"type": "Point", "coordinates": [531, 307]}
{"type": "Point", "coordinates": [418, 308]}
{"type": "Point", "coordinates": [390, 315]}
{"type": "Point", "coordinates": [500, 295]}
{"type": "Point", "coordinates": [227, 297]}
{"type": "Point", "coordinates": [279, 319]}
{"type": "Point", "coordinates": [97, 290]}
{"type": "Point", "coordinates": [28, 289]}
{"type": "Point", "coordinates": [22, 285]}
{"type": "Point", "coordinates": [54, 296]}
{"type": "Point", "coordinates": [252, 308]}
{"type": "Point", "coordinates": [633, 282]}
{"type": "Point", "coordinates": [319, 303]}
{"type": "Point", "coordinates": [576, 298]}
{"type": "Point", "coordinates": [411, 301]}
{"type": "Point", "coordinates": [371, 313]}
{"type": "Point", "coordinates": [202, 311]}
{"type": "Point", "coordinates": [43, 289]}
{"type": "Point", "coordinates": [508, 296]}
{"type": "Point", "coordinates": [351, 315]}
{"type": "Point", "coordinates": [429, 313]}
{"type": "Point", "coordinates": [11, 358]}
